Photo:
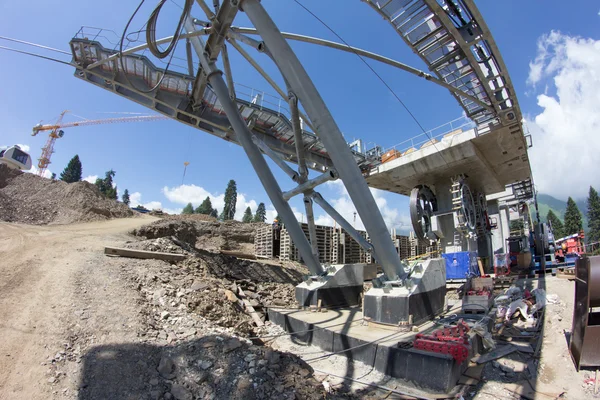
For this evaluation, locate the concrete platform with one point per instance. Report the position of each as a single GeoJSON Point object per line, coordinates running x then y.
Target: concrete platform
{"type": "Point", "coordinates": [491, 160]}
{"type": "Point", "coordinates": [383, 347]}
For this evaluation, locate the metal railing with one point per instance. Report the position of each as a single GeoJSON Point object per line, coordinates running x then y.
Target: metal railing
{"type": "Point", "coordinates": [434, 135]}
{"type": "Point", "coordinates": [112, 40]}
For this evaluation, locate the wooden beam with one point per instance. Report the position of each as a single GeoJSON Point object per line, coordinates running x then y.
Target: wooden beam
{"type": "Point", "coordinates": [249, 309]}
{"type": "Point", "coordinates": [116, 251]}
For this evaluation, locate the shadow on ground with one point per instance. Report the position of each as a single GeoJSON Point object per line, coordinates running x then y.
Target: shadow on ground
{"type": "Point", "coordinates": [211, 367]}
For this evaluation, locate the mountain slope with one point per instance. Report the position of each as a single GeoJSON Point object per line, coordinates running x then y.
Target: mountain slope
{"type": "Point", "coordinates": [547, 202]}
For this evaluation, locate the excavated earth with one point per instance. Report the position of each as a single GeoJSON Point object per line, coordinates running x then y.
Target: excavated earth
{"type": "Point", "coordinates": [206, 235]}
{"type": "Point", "coordinates": [30, 199]}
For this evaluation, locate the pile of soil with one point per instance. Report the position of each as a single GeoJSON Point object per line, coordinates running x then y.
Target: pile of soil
{"type": "Point", "coordinates": [208, 235]}
{"type": "Point", "coordinates": [28, 198]}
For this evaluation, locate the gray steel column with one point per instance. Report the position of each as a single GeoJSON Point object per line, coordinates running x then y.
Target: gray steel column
{"type": "Point", "coordinates": [244, 136]}
{"type": "Point", "coordinates": [312, 229]}
{"type": "Point", "coordinates": [265, 175]}
{"type": "Point", "coordinates": [329, 209]}
{"type": "Point", "coordinates": [331, 136]}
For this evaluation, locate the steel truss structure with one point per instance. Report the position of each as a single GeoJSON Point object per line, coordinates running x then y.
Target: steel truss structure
{"type": "Point", "coordinates": [449, 35]}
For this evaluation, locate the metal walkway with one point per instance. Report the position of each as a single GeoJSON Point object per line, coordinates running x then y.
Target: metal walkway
{"type": "Point", "coordinates": [172, 98]}
{"type": "Point", "coordinates": [451, 37]}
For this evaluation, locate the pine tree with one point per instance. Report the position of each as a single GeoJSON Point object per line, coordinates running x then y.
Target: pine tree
{"type": "Point", "coordinates": [556, 224]}
{"type": "Point", "coordinates": [189, 209]}
{"type": "Point", "coordinates": [593, 214]}
{"type": "Point", "coordinates": [214, 213]}
{"type": "Point", "coordinates": [205, 207]}
{"type": "Point", "coordinates": [261, 213]}
{"type": "Point", "coordinates": [125, 197]}
{"type": "Point", "coordinates": [230, 200]}
{"type": "Point", "coordinates": [247, 215]}
{"type": "Point", "coordinates": [573, 223]}
{"type": "Point", "coordinates": [72, 172]}
{"type": "Point", "coordinates": [278, 219]}
{"type": "Point", "coordinates": [105, 186]}
{"type": "Point", "coordinates": [53, 176]}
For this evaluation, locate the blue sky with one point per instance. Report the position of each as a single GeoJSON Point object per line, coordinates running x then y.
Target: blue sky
{"type": "Point", "coordinates": [539, 49]}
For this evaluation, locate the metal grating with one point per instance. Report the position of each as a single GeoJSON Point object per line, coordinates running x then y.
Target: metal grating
{"type": "Point", "coordinates": [452, 39]}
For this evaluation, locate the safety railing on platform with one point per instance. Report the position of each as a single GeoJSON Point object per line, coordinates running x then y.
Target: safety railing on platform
{"type": "Point", "coordinates": [428, 138]}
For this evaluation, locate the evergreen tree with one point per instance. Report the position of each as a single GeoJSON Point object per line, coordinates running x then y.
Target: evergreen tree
{"type": "Point", "coordinates": [593, 214]}
{"type": "Point", "coordinates": [125, 197]}
{"type": "Point", "coordinates": [105, 186]}
{"type": "Point", "coordinates": [278, 218]}
{"type": "Point", "coordinates": [516, 225]}
{"type": "Point", "coordinates": [205, 207]}
{"type": "Point", "coordinates": [214, 213]}
{"type": "Point", "coordinates": [261, 213]}
{"type": "Point", "coordinates": [247, 215]}
{"type": "Point", "coordinates": [72, 172]}
{"type": "Point", "coordinates": [230, 200]}
{"type": "Point", "coordinates": [556, 224]}
{"type": "Point", "coordinates": [189, 209]}
{"type": "Point", "coordinates": [573, 223]}
{"type": "Point", "coordinates": [53, 177]}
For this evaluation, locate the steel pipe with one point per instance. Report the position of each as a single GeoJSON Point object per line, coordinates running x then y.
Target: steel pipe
{"type": "Point", "coordinates": [276, 159]}
{"type": "Point", "coordinates": [244, 136]}
{"type": "Point", "coordinates": [371, 55]}
{"type": "Point", "coordinates": [295, 119]}
{"type": "Point", "coordinates": [312, 229]}
{"type": "Point", "coordinates": [331, 136]}
{"type": "Point", "coordinates": [329, 209]}
{"type": "Point", "coordinates": [307, 186]}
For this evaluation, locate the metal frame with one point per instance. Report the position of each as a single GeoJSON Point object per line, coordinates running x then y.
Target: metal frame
{"type": "Point", "coordinates": [326, 149]}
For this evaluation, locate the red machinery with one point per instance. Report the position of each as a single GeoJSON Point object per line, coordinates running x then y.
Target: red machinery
{"type": "Point", "coordinates": [453, 341]}
{"type": "Point", "coordinates": [571, 246]}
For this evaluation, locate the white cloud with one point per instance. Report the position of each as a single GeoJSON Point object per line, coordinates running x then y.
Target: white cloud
{"type": "Point", "coordinates": [135, 199]}
{"type": "Point", "coordinates": [91, 178]}
{"type": "Point", "coordinates": [185, 194]}
{"type": "Point", "coordinates": [565, 134]}
{"type": "Point", "coordinates": [392, 216]}
{"type": "Point", "coordinates": [47, 173]}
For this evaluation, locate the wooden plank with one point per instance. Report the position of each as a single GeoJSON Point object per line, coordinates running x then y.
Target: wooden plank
{"type": "Point", "coordinates": [116, 251]}
{"type": "Point", "coordinates": [238, 254]}
{"type": "Point", "coordinates": [249, 309]}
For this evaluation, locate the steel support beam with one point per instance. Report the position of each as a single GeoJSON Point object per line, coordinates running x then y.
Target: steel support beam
{"type": "Point", "coordinates": [331, 136]}
{"type": "Point", "coordinates": [276, 159]}
{"type": "Point", "coordinates": [266, 76]}
{"type": "Point", "coordinates": [237, 33]}
{"type": "Point", "coordinates": [244, 136]}
{"type": "Point", "coordinates": [329, 209]}
{"type": "Point", "coordinates": [295, 119]}
{"type": "Point", "coordinates": [307, 186]}
{"type": "Point", "coordinates": [312, 229]}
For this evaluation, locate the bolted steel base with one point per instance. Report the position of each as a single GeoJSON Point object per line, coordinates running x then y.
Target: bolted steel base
{"type": "Point", "coordinates": [342, 286]}
{"type": "Point", "coordinates": [416, 300]}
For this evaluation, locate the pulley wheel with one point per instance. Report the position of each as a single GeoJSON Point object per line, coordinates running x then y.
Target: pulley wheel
{"type": "Point", "coordinates": [423, 204]}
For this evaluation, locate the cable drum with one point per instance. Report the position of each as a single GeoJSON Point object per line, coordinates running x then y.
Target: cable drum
{"type": "Point", "coordinates": [423, 204]}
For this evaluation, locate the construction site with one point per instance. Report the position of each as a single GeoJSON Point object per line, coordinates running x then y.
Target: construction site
{"type": "Point", "coordinates": [475, 299]}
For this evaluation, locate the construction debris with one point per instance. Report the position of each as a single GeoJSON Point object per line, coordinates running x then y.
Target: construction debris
{"type": "Point", "coordinates": [206, 235]}
{"type": "Point", "coordinates": [143, 254]}
{"type": "Point", "coordinates": [30, 199]}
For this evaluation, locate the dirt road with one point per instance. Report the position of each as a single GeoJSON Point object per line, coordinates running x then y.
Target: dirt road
{"type": "Point", "coordinates": [53, 289]}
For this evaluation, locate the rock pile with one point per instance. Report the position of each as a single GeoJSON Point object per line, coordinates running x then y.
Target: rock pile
{"type": "Point", "coordinates": [207, 235]}
{"type": "Point", "coordinates": [28, 198]}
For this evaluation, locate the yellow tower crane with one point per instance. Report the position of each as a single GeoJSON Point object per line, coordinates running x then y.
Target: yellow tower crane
{"type": "Point", "coordinates": [56, 132]}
